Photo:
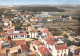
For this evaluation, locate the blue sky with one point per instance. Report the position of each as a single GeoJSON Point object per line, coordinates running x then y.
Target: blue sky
{"type": "Point", "coordinates": [30, 2]}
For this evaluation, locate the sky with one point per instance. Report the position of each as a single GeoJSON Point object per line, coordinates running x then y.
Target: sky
{"type": "Point", "coordinates": [31, 2]}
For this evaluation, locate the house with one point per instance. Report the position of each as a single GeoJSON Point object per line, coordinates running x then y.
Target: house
{"type": "Point", "coordinates": [24, 26]}
{"type": "Point", "coordinates": [12, 27]}
{"type": "Point", "coordinates": [52, 43]}
{"type": "Point", "coordinates": [33, 19]}
{"type": "Point", "coordinates": [37, 44]}
{"type": "Point", "coordinates": [27, 15]}
{"type": "Point", "coordinates": [30, 28]}
{"type": "Point", "coordinates": [14, 35]}
{"type": "Point", "coordinates": [72, 39]}
{"type": "Point", "coordinates": [3, 34]}
{"type": "Point", "coordinates": [3, 51]}
{"type": "Point", "coordinates": [4, 19]}
{"type": "Point", "coordinates": [60, 50]}
{"type": "Point", "coordinates": [76, 55]}
{"type": "Point", "coordinates": [44, 31]}
{"type": "Point", "coordinates": [75, 50]}
{"type": "Point", "coordinates": [50, 36]}
{"type": "Point", "coordinates": [78, 37]}
{"type": "Point", "coordinates": [17, 35]}
{"type": "Point", "coordinates": [12, 31]}
{"type": "Point", "coordinates": [32, 53]}
{"type": "Point", "coordinates": [19, 42]}
{"type": "Point", "coordinates": [24, 48]}
{"type": "Point", "coordinates": [23, 54]}
{"type": "Point", "coordinates": [43, 51]}
{"type": "Point", "coordinates": [15, 50]}
{"type": "Point", "coordinates": [4, 44]}
{"type": "Point", "coordinates": [5, 28]}
{"type": "Point", "coordinates": [19, 46]}
{"type": "Point", "coordinates": [48, 43]}
{"type": "Point", "coordinates": [6, 24]}
{"type": "Point", "coordinates": [49, 19]}
{"type": "Point", "coordinates": [33, 34]}
{"type": "Point", "coordinates": [59, 36]}
{"type": "Point", "coordinates": [8, 38]}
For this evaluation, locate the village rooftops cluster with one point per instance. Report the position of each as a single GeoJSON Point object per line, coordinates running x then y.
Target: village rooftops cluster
{"type": "Point", "coordinates": [38, 34]}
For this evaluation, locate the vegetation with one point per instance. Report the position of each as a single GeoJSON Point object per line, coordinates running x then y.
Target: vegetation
{"type": "Point", "coordinates": [69, 43]}
{"type": "Point", "coordinates": [7, 12]}
{"type": "Point", "coordinates": [40, 9]}
{"type": "Point", "coordinates": [65, 36]}
{"type": "Point", "coordinates": [17, 27]}
{"type": "Point", "coordinates": [55, 31]}
{"type": "Point", "coordinates": [1, 28]}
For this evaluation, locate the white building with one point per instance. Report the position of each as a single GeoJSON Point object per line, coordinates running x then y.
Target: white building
{"type": "Point", "coordinates": [56, 46]}
{"type": "Point", "coordinates": [33, 34]}
{"type": "Point", "coordinates": [14, 35]}
{"type": "Point", "coordinates": [12, 31]}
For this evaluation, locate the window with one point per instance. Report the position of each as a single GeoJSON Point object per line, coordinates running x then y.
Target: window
{"type": "Point", "coordinates": [61, 54]}
{"type": "Point", "coordinates": [27, 36]}
{"type": "Point", "coordinates": [19, 50]}
{"type": "Point", "coordinates": [65, 54]}
{"type": "Point", "coordinates": [57, 54]}
{"type": "Point", "coordinates": [23, 35]}
{"type": "Point", "coordinates": [16, 35]}
{"type": "Point", "coordinates": [65, 50]}
{"type": "Point", "coordinates": [62, 50]}
{"type": "Point", "coordinates": [58, 51]}
{"type": "Point", "coordinates": [50, 49]}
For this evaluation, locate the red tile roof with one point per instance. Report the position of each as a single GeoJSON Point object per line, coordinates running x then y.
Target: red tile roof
{"type": "Point", "coordinates": [3, 50]}
{"type": "Point", "coordinates": [5, 19]}
{"type": "Point", "coordinates": [24, 47]}
{"type": "Point", "coordinates": [50, 36]}
{"type": "Point", "coordinates": [13, 34]}
{"type": "Point", "coordinates": [0, 45]}
{"type": "Point", "coordinates": [12, 27]}
{"type": "Point", "coordinates": [61, 47]}
{"type": "Point", "coordinates": [17, 34]}
{"type": "Point", "coordinates": [33, 19]}
{"type": "Point", "coordinates": [51, 42]}
{"type": "Point", "coordinates": [32, 31]}
{"type": "Point", "coordinates": [5, 26]}
{"type": "Point", "coordinates": [37, 43]}
{"type": "Point", "coordinates": [3, 33]}
{"type": "Point", "coordinates": [79, 37]}
{"type": "Point", "coordinates": [10, 30]}
{"type": "Point", "coordinates": [43, 50]}
{"type": "Point", "coordinates": [19, 42]}
{"type": "Point", "coordinates": [46, 31]}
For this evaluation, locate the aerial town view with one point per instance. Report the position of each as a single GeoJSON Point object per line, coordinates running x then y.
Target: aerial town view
{"type": "Point", "coordinates": [39, 28]}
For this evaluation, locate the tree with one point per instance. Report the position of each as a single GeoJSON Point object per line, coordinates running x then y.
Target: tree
{"type": "Point", "coordinates": [17, 27]}
{"type": "Point", "coordinates": [65, 36]}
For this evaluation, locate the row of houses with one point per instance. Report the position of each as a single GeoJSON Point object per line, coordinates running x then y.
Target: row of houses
{"type": "Point", "coordinates": [49, 47]}
{"type": "Point", "coordinates": [9, 47]}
